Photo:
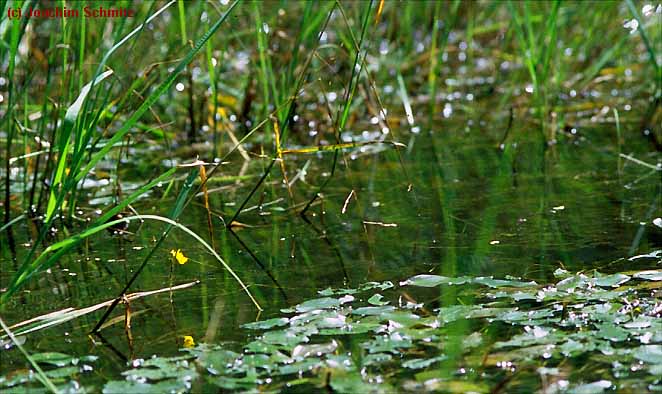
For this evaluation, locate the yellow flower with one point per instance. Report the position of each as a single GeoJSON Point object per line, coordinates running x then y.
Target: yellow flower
{"type": "Point", "coordinates": [188, 341]}
{"type": "Point", "coordinates": [179, 256]}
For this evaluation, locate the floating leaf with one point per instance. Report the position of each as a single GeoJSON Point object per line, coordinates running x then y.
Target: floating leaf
{"type": "Point", "coordinates": [571, 283]}
{"type": "Point", "coordinates": [388, 343]}
{"type": "Point", "coordinates": [377, 300]}
{"type": "Point", "coordinates": [376, 358]}
{"type": "Point", "coordinates": [649, 353]}
{"type": "Point", "coordinates": [373, 310]}
{"type": "Point", "coordinates": [352, 383]}
{"type": "Point", "coordinates": [214, 359]}
{"type": "Point", "coordinates": [591, 388]}
{"type": "Point", "coordinates": [474, 339]}
{"type": "Point", "coordinates": [266, 324]}
{"type": "Point", "coordinates": [614, 280]}
{"type": "Point", "coordinates": [561, 273]}
{"type": "Point", "coordinates": [433, 280]}
{"type": "Point", "coordinates": [330, 339]}
{"type": "Point", "coordinates": [422, 362]}
{"type": "Point", "coordinates": [656, 254]}
{"type": "Point", "coordinates": [364, 287]}
{"type": "Point", "coordinates": [303, 351]}
{"type": "Point", "coordinates": [318, 303]}
{"type": "Point", "coordinates": [495, 283]}
{"type": "Point", "coordinates": [654, 275]}
{"type": "Point", "coordinates": [612, 332]}
{"type": "Point", "coordinates": [573, 348]}
{"type": "Point", "coordinates": [54, 358]}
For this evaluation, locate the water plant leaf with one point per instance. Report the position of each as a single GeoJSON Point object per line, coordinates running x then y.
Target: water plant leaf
{"type": "Point", "coordinates": [376, 358]}
{"type": "Point", "coordinates": [377, 300]}
{"type": "Point", "coordinates": [363, 287]}
{"type": "Point", "coordinates": [54, 358]}
{"type": "Point", "coordinates": [496, 283]}
{"type": "Point", "coordinates": [612, 332]}
{"type": "Point", "coordinates": [654, 275]}
{"type": "Point", "coordinates": [317, 340]}
{"type": "Point", "coordinates": [432, 281]}
{"type": "Point", "coordinates": [613, 280]}
{"type": "Point", "coordinates": [319, 303]}
{"type": "Point", "coordinates": [373, 310]}
{"type": "Point", "coordinates": [649, 353]}
{"type": "Point", "coordinates": [591, 388]}
{"type": "Point", "coordinates": [353, 382]}
{"type": "Point", "coordinates": [569, 284]}
{"type": "Point", "coordinates": [304, 351]}
{"type": "Point", "coordinates": [436, 280]}
{"type": "Point", "coordinates": [132, 387]}
{"type": "Point", "coordinates": [387, 344]}
{"type": "Point", "coordinates": [214, 359]}
{"type": "Point", "coordinates": [420, 363]}
{"type": "Point", "coordinates": [266, 324]}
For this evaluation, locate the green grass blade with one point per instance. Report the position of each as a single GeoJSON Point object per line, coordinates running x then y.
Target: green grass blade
{"type": "Point", "coordinates": [550, 31]}
{"type": "Point", "coordinates": [60, 247]}
{"type": "Point", "coordinates": [70, 119]}
{"type": "Point", "coordinates": [165, 85]}
{"type": "Point", "coordinates": [182, 21]}
{"type": "Point", "coordinates": [651, 52]}
{"type": "Point", "coordinates": [41, 376]}
{"type": "Point", "coordinates": [27, 269]}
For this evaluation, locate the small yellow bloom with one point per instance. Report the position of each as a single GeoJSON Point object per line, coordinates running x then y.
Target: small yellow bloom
{"type": "Point", "coordinates": [188, 341]}
{"type": "Point", "coordinates": [179, 256]}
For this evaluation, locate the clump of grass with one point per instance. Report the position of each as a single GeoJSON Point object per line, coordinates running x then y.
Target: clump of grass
{"type": "Point", "coordinates": [537, 46]}
{"type": "Point", "coordinates": [75, 139]}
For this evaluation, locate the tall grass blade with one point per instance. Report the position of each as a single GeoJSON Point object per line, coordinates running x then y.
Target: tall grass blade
{"type": "Point", "coordinates": [6, 121]}
{"type": "Point", "coordinates": [26, 270]}
{"type": "Point", "coordinates": [151, 99]}
{"type": "Point", "coordinates": [284, 120]}
{"type": "Point", "coordinates": [70, 119]}
{"type": "Point", "coordinates": [349, 94]}
{"type": "Point", "coordinates": [652, 56]}
{"type": "Point", "coordinates": [77, 175]}
{"type": "Point", "coordinates": [41, 376]}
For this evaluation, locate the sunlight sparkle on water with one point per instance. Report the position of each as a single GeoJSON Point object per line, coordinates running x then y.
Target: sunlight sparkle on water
{"type": "Point", "coordinates": [647, 10]}
{"type": "Point", "coordinates": [631, 24]}
{"type": "Point", "coordinates": [448, 110]}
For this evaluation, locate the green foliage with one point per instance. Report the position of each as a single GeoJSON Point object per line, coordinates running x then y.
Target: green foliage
{"type": "Point", "coordinates": [523, 170]}
{"type": "Point", "coordinates": [589, 327]}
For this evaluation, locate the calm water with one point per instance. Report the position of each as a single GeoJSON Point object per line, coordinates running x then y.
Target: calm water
{"type": "Point", "coordinates": [473, 209]}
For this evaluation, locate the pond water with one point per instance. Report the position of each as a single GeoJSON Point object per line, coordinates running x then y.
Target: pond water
{"type": "Point", "coordinates": [473, 211]}
{"type": "Point", "coordinates": [478, 190]}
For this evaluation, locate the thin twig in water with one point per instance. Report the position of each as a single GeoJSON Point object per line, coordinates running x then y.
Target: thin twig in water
{"type": "Point", "coordinates": [344, 207]}
{"type": "Point", "coordinates": [62, 316]}
{"type": "Point", "coordinates": [640, 162]}
{"type": "Point", "coordinates": [382, 224]}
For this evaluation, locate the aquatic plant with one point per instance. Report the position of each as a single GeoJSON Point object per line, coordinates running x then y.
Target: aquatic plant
{"type": "Point", "coordinates": [166, 177]}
